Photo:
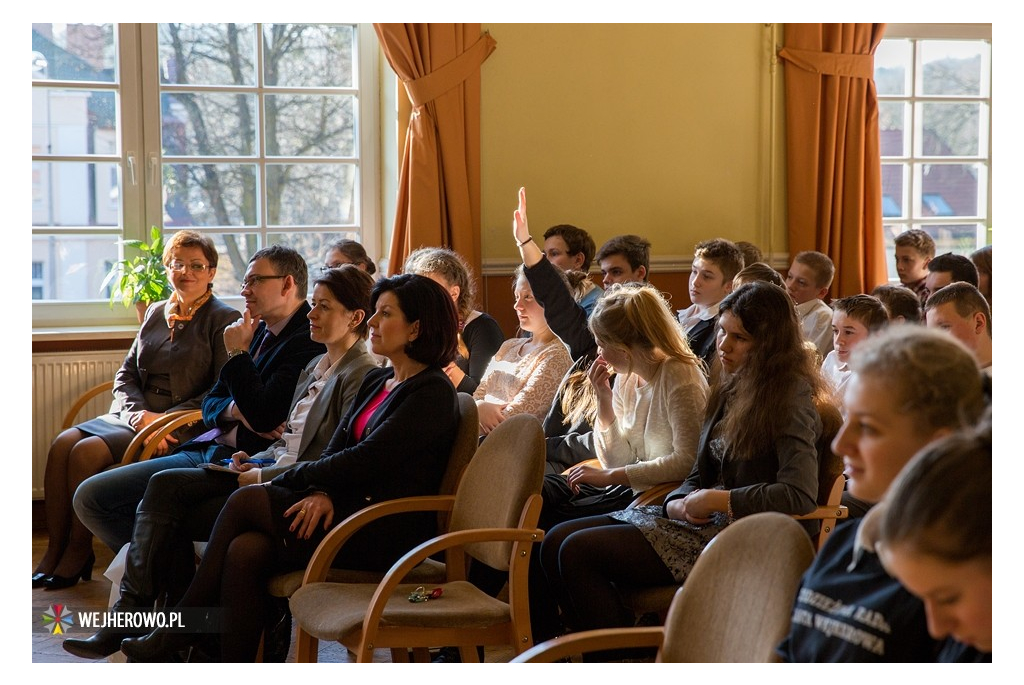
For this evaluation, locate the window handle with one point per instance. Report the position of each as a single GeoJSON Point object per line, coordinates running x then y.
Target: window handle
{"type": "Point", "coordinates": [153, 169]}
{"type": "Point", "coordinates": [131, 169]}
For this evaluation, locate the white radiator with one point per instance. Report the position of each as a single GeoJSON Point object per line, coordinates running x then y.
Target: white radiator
{"type": "Point", "coordinates": [58, 379]}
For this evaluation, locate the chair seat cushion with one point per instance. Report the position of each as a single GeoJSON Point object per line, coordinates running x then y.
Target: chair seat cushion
{"type": "Point", "coordinates": [330, 611]}
{"type": "Point", "coordinates": [429, 572]}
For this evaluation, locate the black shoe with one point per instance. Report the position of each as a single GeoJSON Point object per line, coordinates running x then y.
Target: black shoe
{"type": "Point", "coordinates": [99, 646]}
{"type": "Point", "coordinates": [451, 655]}
{"type": "Point", "coordinates": [159, 646]}
{"type": "Point", "coordinates": [56, 582]}
{"type": "Point", "coordinates": [39, 579]}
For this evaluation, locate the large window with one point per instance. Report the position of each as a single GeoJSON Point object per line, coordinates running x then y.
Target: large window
{"type": "Point", "coordinates": [254, 134]}
{"type": "Point", "coordinates": [935, 110]}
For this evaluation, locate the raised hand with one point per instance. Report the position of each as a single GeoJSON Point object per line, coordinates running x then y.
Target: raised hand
{"type": "Point", "coordinates": [520, 227]}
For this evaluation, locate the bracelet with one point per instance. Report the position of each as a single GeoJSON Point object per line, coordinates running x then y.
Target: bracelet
{"type": "Point", "coordinates": [728, 507]}
{"type": "Point", "coordinates": [237, 351]}
{"type": "Point", "coordinates": [528, 240]}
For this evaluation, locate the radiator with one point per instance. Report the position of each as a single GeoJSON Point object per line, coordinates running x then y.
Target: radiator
{"type": "Point", "coordinates": [58, 379]}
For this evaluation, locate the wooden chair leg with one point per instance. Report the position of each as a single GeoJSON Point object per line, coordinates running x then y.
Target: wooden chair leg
{"type": "Point", "coordinates": [306, 648]}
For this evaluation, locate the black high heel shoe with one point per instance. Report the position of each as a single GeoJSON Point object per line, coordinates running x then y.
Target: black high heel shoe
{"type": "Point", "coordinates": [159, 646]}
{"type": "Point", "coordinates": [39, 579]}
{"type": "Point", "coordinates": [56, 582]}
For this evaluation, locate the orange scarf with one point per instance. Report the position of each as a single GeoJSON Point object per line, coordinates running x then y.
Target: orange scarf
{"type": "Point", "coordinates": [173, 313]}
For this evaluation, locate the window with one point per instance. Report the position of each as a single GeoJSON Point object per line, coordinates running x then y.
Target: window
{"type": "Point", "coordinates": [935, 109]}
{"type": "Point", "coordinates": [254, 134]}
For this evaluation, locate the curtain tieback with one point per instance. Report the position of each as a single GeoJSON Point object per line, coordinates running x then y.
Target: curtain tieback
{"type": "Point", "coordinates": [441, 80]}
{"type": "Point", "coordinates": [831, 63]}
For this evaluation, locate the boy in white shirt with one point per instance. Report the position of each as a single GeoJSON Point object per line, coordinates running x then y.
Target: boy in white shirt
{"type": "Point", "coordinates": [808, 281]}
{"type": "Point", "coordinates": [854, 319]}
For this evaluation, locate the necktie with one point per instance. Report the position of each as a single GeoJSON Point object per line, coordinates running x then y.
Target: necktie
{"type": "Point", "coordinates": [268, 340]}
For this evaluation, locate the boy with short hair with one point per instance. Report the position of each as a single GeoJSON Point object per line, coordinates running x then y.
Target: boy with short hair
{"type": "Point", "coordinates": [914, 249]}
{"type": "Point", "coordinates": [572, 249]}
{"type": "Point", "coordinates": [963, 311]}
{"type": "Point", "coordinates": [950, 268]}
{"type": "Point", "coordinates": [854, 319]}
{"type": "Point", "coordinates": [715, 264]}
{"type": "Point", "coordinates": [809, 278]}
{"type": "Point", "coordinates": [900, 301]}
{"type": "Point", "coordinates": [624, 259]}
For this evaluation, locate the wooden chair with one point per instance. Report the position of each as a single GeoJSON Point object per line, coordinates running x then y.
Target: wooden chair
{"type": "Point", "coordinates": [494, 514]}
{"type": "Point", "coordinates": [83, 399]}
{"type": "Point", "coordinates": [145, 442]}
{"type": "Point", "coordinates": [735, 606]}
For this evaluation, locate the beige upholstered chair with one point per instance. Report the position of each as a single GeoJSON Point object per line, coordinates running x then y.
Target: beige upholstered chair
{"type": "Point", "coordinates": [494, 514]}
{"type": "Point", "coordinates": [145, 442]}
{"type": "Point", "coordinates": [735, 606]}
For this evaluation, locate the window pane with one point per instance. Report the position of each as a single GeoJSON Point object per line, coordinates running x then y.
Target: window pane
{"type": "Point", "coordinates": [950, 129]}
{"type": "Point", "coordinates": [892, 189]}
{"type": "Point", "coordinates": [74, 52]}
{"type": "Point", "coordinates": [75, 194]}
{"type": "Point", "coordinates": [210, 195]}
{"type": "Point", "coordinates": [73, 122]}
{"type": "Point", "coordinates": [948, 189]}
{"type": "Point", "coordinates": [311, 125]}
{"type": "Point", "coordinates": [958, 239]}
{"type": "Point", "coordinates": [209, 124]}
{"type": "Point", "coordinates": [312, 246]}
{"type": "Point", "coordinates": [892, 124]}
{"type": "Point", "coordinates": [298, 55]}
{"type": "Point", "coordinates": [951, 67]}
{"type": "Point", "coordinates": [207, 54]}
{"type": "Point", "coordinates": [75, 265]}
{"type": "Point", "coordinates": [892, 67]}
{"type": "Point", "coordinates": [310, 194]}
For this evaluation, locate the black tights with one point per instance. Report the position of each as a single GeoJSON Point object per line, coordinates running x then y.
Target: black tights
{"type": "Point", "coordinates": [585, 559]}
{"type": "Point", "coordinates": [234, 571]}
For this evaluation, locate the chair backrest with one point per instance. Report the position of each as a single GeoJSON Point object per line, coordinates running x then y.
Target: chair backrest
{"type": "Point", "coordinates": [507, 468]}
{"type": "Point", "coordinates": [467, 437]}
{"type": "Point", "coordinates": [738, 599]}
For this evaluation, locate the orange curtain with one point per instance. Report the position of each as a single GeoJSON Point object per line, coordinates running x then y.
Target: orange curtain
{"type": "Point", "coordinates": [834, 172]}
{"type": "Point", "coordinates": [439, 186]}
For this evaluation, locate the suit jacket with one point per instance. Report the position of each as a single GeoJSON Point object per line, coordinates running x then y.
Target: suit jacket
{"type": "Point", "coordinates": [783, 478]}
{"type": "Point", "coordinates": [404, 453]}
{"type": "Point", "coordinates": [701, 339]}
{"type": "Point", "coordinates": [262, 388]}
{"type": "Point", "coordinates": [328, 407]}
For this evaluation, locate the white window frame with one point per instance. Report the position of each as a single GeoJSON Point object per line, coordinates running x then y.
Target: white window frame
{"type": "Point", "coordinates": [140, 152]}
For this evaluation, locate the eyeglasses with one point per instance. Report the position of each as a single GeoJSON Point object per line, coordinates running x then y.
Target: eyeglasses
{"type": "Point", "coordinates": [194, 267]}
{"type": "Point", "coordinates": [256, 280]}
{"type": "Point", "coordinates": [330, 267]}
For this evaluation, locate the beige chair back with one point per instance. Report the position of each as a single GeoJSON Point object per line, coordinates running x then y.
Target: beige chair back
{"type": "Point", "coordinates": [737, 601]}
{"type": "Point", "coordinates": [506, 469]}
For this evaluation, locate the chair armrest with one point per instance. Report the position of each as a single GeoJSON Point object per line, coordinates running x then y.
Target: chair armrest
{"type": "Point", "coordinates": [146, 440]}
{"type": "Point", "coordinates": [839, 511]}
{"type": "Point", "coordinates": [586, 641]}
{"type": "Point", "coordinates": [83, 399]}
{"type": "Point", "coordinates": [327, 550]}
{"type": "Point", "coordinates": [655, 495]}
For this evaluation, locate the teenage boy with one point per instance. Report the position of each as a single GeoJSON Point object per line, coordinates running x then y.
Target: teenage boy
{"type": "Point", "coordinates": [809, 278]}
{"type": "Point", "coordinates": [624, 259]}
{"type": "Point", "coordinates": [900, 301]}
{"type": "Point", "coordinates": [715, 264]}
{"type": "Point", "coordinates": [572, 249]}
{"type": "Point", "coordinates": [962, 310]}
{"type": "Point", "coordinates": [950, 268]}
{"type": "Point", "coordinates": [854, 318]}
{"type": "Point", "coordinates": [914, 249]}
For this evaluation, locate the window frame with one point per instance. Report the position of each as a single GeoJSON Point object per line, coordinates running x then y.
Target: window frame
{"type": "Point", "coordinates": [139, 146]}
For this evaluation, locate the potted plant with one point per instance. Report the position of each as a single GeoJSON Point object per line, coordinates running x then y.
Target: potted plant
{"type": "Point", "coordinates": [141, 280]}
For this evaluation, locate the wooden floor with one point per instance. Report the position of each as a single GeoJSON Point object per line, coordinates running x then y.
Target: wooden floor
{"type": "Point", "coordinates": [94, 595]}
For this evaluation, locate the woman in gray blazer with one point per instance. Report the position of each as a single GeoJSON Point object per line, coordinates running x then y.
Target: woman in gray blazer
{"type": "Point", "coordinates": [172, 363]}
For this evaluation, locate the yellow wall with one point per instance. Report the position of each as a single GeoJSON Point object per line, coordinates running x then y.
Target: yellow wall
{"type": "Point", "coordinates": [659, 130]}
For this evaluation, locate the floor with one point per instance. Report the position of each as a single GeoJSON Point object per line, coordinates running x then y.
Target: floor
{"type": "Point", "coordinates": [94, 595]}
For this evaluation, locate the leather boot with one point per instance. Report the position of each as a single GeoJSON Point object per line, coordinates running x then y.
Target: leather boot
{"type": "Point", "coordinates": [152, 541]}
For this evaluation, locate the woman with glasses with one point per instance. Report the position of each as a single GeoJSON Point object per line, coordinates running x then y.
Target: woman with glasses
{"type": "Point", "coordinates": [173, 362]}
{"type": "Point", "coordinates": [348, 252]}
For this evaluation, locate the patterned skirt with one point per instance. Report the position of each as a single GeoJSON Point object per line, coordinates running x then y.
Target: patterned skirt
{"type": "Point", "coordinates": [678, 543]}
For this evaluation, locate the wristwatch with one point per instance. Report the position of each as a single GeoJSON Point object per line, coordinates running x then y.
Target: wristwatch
{"type": "Point", "coordinates": [237, 351]}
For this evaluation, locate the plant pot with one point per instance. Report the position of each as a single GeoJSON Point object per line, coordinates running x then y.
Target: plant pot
{"type": "Point", "coordinates": [140, 310]}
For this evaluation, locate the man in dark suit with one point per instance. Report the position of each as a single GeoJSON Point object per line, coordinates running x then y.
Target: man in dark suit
{"type": "Point", "coordinates": [247, 406]}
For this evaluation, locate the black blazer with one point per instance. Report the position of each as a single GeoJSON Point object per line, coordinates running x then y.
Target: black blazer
{"type": "Point", "coordinates": [262, 389]}
{"type": "Point", "coordinates": [701, 339]}
{"type": "Point", "coordinates": [783, 478]}
{"type": "Point", "coordinates": [404, 453]}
